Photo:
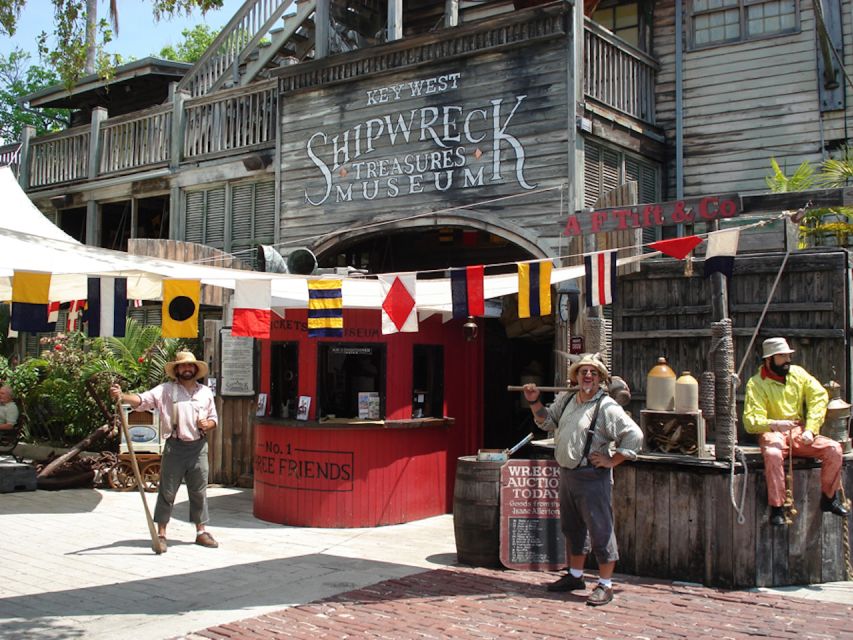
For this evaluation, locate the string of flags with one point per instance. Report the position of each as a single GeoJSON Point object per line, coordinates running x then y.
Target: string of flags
{"type": "Point", "coordinates": [105, 309]}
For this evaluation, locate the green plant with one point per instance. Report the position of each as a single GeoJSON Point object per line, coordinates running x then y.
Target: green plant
{"type": "Point", "coordinates": [818, 224]}
{"type": "Point", "coordinates": [52, 391]}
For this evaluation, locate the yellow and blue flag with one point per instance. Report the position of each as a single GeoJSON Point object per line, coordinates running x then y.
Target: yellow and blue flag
{"type": "Point", "coordinates": [534, 289]}
{"type": "Point", "coordinates": [30, 299]}
{"type": "Point", "coordinates": [325, 309]}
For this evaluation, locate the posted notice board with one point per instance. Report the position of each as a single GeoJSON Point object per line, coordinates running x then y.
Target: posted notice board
{"type": "Point", "coordinates": [531, 539]}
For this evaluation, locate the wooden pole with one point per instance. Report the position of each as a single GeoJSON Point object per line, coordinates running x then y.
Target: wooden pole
{"type": "Point", "coordinates": [511, 387]}
{"type": "Point", "coordinates": [155, 541]}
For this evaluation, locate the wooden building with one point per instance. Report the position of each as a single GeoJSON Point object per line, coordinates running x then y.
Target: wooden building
{"type": "Point", "coordinates": [416, 136]}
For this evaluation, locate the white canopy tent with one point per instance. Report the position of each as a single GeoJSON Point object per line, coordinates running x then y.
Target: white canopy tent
{"type": "Point", "coordinates": [30, 242]}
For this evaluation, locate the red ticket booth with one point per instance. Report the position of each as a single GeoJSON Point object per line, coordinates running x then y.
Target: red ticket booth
{"type": "Point", "coordinates": [364, 430]}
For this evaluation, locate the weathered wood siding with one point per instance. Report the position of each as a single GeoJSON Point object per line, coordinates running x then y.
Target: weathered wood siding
{"type": "Point", "coordinates": [743, 103]}
{"type": "Point", "coordinates": [678, 522]}
{"type": "Point", "coordinates": [662, 312]}
{"type": "Point", "coordinates": [488, 125]}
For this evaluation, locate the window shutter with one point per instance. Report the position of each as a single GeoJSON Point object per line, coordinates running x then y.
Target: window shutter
{"type": "Point", "coordinates": [215, 227]}
{"type": "Point", "coordinates": [194, 229]}
{"type": "Point", "coordinates": [591, 174]}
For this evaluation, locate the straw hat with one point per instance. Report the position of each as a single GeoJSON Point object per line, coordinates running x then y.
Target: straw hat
{"type": "Point", "coordinates": [186, 357]}
{"type": "Point", "coordinates": [773, 346]}
{"type": "Point", "coordinates": [587, 359]}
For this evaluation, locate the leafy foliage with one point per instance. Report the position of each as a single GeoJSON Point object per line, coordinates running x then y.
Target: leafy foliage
{"type": "Point", "coordinates": [18, 78]}
{"type": "Point", "coordinates": [819, 224]}
{"type": "Point", "coordinates": [195, 43]}
{"type": "Point", "coordinates": [72, 43]}
{"type": "Point", "coordinates": [52, 391]}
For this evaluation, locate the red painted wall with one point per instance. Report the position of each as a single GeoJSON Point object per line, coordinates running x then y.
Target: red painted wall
{"type": "Point", "coordinates": [394, 474]}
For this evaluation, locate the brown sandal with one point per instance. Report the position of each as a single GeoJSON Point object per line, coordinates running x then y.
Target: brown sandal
{"type": "Point", "coordinates": [206, 540]}
{"type": "Point", "coordinates": [162, 541]}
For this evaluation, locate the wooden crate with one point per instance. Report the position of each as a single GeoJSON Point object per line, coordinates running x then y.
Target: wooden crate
{"type": "Point", "coordinates": [669, 432]}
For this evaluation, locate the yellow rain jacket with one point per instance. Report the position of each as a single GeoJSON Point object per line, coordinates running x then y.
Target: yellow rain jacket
{"type": "Point", "coordinates": [767, 399]}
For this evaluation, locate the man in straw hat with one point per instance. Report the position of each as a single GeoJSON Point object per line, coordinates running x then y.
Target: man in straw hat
{"type": "Point", "coordinates": [187, 413]}
{"type": "Point", "coordinates": [773, 408]}
{"type": "Point", "coordinates": [585, 424]}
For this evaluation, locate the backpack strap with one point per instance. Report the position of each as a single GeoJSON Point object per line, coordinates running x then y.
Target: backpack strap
{"type": "Point", "coordinates": [591, 431]}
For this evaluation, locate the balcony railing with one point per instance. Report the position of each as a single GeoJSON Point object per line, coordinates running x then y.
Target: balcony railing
{"type": "Point", "coordinates": [618, 75]}
{"type": "Point", "coordinates": [10, 155]}
{"type": "Point", "coordinates": [59, 157]}
{"type": "Point", "coordinates": [135, 140]}
{"type": "Point", "coordinates": [241, 118]}
{"type": "Point", "coordinates": [246, 118]}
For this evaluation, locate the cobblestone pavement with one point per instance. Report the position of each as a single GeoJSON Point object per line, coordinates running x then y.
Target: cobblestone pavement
{"type": "Point", "coordinates": [77, 564]}
{"type": "Point", "coordinates": [461, 602]}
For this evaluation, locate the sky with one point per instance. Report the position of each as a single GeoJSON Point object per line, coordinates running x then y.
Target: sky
{"type": "Point", "coordinates": [139, 35]}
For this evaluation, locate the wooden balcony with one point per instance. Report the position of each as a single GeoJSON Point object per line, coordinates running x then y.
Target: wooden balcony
{"type": "Point", "coordinates": [245, 119]}
{"type": "Point", "coordinates": [618, 75]}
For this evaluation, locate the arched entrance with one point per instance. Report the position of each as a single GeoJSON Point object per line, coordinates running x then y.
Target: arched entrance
{"type": "Point", "coordinates": [514, 350]}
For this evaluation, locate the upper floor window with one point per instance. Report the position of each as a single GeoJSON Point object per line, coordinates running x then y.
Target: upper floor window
{"type": "Point", "coordinates": [723, 21]}
{"type": "Point", "coordinates": [621, 19]}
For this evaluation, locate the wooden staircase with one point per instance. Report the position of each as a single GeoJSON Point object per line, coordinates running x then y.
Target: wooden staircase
{"type": "Point", "coordinates": [267, 34]}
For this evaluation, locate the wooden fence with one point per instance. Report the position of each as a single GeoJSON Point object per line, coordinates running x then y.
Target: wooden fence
{"type": "Point", "coordinates": [663, 312]}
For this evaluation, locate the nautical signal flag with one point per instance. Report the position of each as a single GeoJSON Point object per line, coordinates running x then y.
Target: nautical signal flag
{"type": "Point", "coordinates": [325, 309]}
{"type": "Point", "coordinates": [52, 312]}
{"type": "Point", "coordinates": [676, 247]}
{"type": "Point", "coordinates": [600, 278]}
{"type": "Point", "coordinates": [722, 248]}
{"type": "Point", "coordinates": [30, 291]}
{"type": "Point", "coordinates": [399, 313]}
{"type": "Point", "coordinates": [106, 311]}
{"type": "Point", "coordinates": [180, 308]}
{"type": "Point", "coordinates": [534, 289]}
{"type": "Point", "coordinates": [75, 310]}
{"type": "Point", "coordinates": [466, 290]}
{"type": "Point", "coordinates": [252, 314]}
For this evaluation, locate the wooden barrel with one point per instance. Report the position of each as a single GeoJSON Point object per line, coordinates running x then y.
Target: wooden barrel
{"type": "Point", "coordinates": [476, 512]}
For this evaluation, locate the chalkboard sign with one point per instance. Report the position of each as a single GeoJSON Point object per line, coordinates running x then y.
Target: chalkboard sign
{"type": "Point", "coordinates": [530, 516]}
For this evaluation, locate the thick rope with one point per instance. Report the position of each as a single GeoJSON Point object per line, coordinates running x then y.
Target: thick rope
{"type": "Point", "coordinates": [735, 382]}
{"type": "Point", "coordinates": [845, 542]}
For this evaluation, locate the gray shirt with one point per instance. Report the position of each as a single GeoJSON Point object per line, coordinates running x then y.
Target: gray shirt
{"type": "Point", "coordinates": [569, 419]}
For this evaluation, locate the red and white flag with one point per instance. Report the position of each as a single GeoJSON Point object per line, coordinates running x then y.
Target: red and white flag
{"type": "Point", "coordinates": [52, 312]}
{"type": "Point", "coordinates": [75, 310]}
{"type": "Point", "coordinates": [252, 315]}
{"type": "Point", "coordinates": [600, 278]}
{"type": "Point", "coordinates": [399, 313]}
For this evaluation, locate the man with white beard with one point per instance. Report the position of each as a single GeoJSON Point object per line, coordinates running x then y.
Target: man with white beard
{"type": "Point", "coordinates": [585, 423]}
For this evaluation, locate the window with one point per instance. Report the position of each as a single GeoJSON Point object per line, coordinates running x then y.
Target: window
{"type": "Point", "coordinates": [428, 381]}
{"type": "Point", "coordinates": [284, 379]}
{"type": "Point", "coordinates": [344, 371]}
{"type": "Point", "coordinates": [721, 21]}
{"type": "Point", "coordinates": [622, 20]}
{"type": "Point", "coordinates": [233, 217]}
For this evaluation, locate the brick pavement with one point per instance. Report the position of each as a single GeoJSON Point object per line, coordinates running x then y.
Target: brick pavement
{"type": "Point", "coordinates": [464, 602]}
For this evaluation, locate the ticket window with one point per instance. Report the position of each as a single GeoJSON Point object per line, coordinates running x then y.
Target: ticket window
{"type": "Point", "coordinates": [428, 381]}
{"type": "Point", "coordinates": [284, 379]}
{"type": "Point", "coordinates": [346, 370]}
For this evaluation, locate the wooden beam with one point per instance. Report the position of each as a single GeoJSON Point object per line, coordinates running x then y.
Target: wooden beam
{"type": "Point", "coordinates": [451, 13]}
{"type": "Point", "coordinates": [395, 20]}
{"type": "Point", "coordinates": [322, 29]}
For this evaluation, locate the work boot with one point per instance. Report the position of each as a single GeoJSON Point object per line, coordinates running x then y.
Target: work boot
{"type": "Point", "coordinates": [567, 583]}
{"type": "Point", "coordinates": [833, 505]}
{"type": "Point", "coordinates": [601, 595]}
{"type": "Point", "coordinates": [777, 516]}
